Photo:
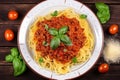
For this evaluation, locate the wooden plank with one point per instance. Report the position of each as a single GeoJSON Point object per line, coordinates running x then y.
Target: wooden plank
{"type": "Point", "coordinates": [105, 1]}
{"type": "Point", "coordinates": [38, 1]}
{"type": "Point", "coordinates": [91, 75]}
{"type": "Point", "coordinates": [94, 74]}
{"type": "Point", "coordinates": [6, 73]}
{"type": "Point", "coordinates": [114, 11]}
{"type": "Point", "coordinates": [20, 1]}
{"type": "Point", "coordinates": [3, 52]}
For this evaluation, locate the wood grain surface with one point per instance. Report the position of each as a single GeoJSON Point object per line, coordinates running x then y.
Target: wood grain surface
{"type": "Point", "coordinates": [23, 6]}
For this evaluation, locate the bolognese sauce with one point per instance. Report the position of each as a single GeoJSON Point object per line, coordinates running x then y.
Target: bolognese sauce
{"type": "Point", "coordinates": [63, 53]}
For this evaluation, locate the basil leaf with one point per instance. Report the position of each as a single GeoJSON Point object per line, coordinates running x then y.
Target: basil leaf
{"type": "Point", "coordinates": [63, 30]}
{"type": "Point", "coordinates": [55, 42]}
{"type": "Point", "coordinates": [55, 13]}
{"type": "Point", "coordinates": [45, 43]}
{"type": "Point", "coordinates": [103, 12]}
{"type": "Point", "coordinates": [46, 27]}
{"type": "Point", "coordinates": [18, 66]}
{"type": "Point", "coordinates": [101, 6]}
{"type": "Point", "coordinates": [102, 16]}
{"type": "Point", "coordinates": [66, 40]}
{"type": "Point", "coordinates": [53, 31]}
{"type": "Point", "coordinates": [14, 52]}
{"type": "Point", "coordinates": [83, 16]}
{"type": "Point", "coordinates": [74, 60]}
{"type": "Point", "coordinates": [23, 68]}
{"type": "Point", "coordinates": [20, 57]}
{"type": "Point", "coordinates": [41, 60]}
{"type": "Point", "coordinates": [9, 58]}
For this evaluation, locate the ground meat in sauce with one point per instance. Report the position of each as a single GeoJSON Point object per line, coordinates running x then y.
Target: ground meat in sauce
{"type": "Point", "coordinates": [75, 33]}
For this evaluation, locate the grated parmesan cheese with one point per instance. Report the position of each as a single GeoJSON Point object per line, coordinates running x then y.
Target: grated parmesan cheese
{"type": "Point", "coordinates": [111, 51]}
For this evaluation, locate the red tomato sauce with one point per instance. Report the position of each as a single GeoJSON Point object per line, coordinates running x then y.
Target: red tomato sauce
{"type": "Point", "coordinates": [75, 33]}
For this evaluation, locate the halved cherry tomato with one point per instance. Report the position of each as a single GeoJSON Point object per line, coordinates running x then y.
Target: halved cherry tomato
{"type": "Point", "coordinates": [103, 68]}
{"type": "Point", "coordinates": [12, 15]}
{"type": "Point", "coordinates": [9, 35]}
{"type": "Point", "coordinates": [113, 29]}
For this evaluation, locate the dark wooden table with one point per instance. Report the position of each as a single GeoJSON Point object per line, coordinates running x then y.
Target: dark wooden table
{"type": "Point", "coordinates": [23, 6]}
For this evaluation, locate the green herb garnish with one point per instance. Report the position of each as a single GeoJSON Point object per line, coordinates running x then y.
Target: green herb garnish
{"type": "Point", "coordinates": [14, 52]}
{"type": "Point", "coordinates": [55, 42]}
{"type": "Point", "coordinates": [65, 39]}
{"type": "Point", "coordinates": [83, 16]}
{"type": "Point", "coordinates": [41, 60]}
{"type": "Point", "coordinates": [55, 13]}
{"type": "Point", "coordinates": [18, 64]}
{"type": "Point", "coordinates": [59, 36]}
{"type": "Point", "coordinates": [103, 12]}
{"type": "Point", "coordinates": [46, 27]}
{"type": "Point", "coordinates": [44, 43]}
{"type": "Point", "coordinates": [9, 58]}
{"type": "Point", "coordinates": [74, 60]}
{"type": "Point", "coordinates": [63, 30]}
{"type": "Point", "coordinates": [53, 31]}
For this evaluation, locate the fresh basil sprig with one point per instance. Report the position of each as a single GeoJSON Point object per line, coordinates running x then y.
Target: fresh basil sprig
{"type": "Point", "coordinates": [59, 36]}
{"type": "Point", "coordinates": [103, 12]}
{"type": "Point", "coordinates": [19, 65]}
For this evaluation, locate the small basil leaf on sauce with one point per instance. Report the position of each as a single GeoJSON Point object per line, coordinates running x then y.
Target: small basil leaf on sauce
{"type": "Point", "coordinates": [53, 31]}
{"type": "Point", "coordinates": [74, 60]}
{"type": "Point", "coordinates": [63, 30]}
{"type": "Point", "coordinates": [55, 13]}
{"type": "Point", "coordinates": [41, 60]}
{"type": "Point", "coordinates": [44, 43]}
{"type": "Point", "coordinates": [66, 40]}
{"type": "Point", "coordinates": [55, 42]}
{"type": "Point", "coordinates": [83, 16]}
{"type": "Point", "coordinates": [46, 27]}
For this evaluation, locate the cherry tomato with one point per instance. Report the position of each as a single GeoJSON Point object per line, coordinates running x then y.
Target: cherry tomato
{"type": "Point", "coordinates": [9, 35]}
{"type": "Point", "coordinates": [113, 29]}
{"type": "Point", "coordinates": [103, 68]}
{"type": "Point", "coordinates": [12, 15]}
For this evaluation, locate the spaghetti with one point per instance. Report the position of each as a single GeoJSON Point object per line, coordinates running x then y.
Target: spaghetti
{"type": "Point", "coordinates": [61, 59]}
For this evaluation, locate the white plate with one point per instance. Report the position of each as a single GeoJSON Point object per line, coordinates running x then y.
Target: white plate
{"type": "Point", "coordinates": [44, 8]}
